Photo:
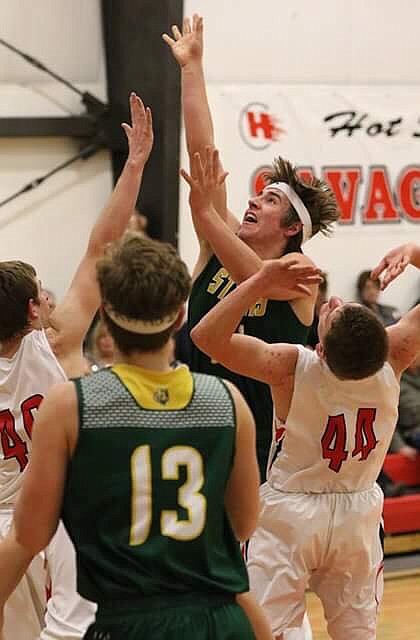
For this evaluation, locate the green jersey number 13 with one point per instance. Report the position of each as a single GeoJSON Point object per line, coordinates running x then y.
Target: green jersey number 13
{"type": "Point", "coordinates": [189, 496]}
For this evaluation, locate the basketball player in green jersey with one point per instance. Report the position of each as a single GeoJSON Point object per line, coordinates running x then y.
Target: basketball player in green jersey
{"type": "Point", "coordinates": [273, 224]}
{"type": "Point", "coordinates": [152, 468]}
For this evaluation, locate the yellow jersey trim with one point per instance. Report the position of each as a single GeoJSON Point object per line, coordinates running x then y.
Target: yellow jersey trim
{"type": "Point", "coordinates": [158, 390]}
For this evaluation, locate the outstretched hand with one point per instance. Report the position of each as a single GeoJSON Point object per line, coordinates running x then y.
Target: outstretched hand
{"type": "Point", "coordinates": [187, 46]}
{"type": "Point", "coordinates": [204, 181]}
{"type": "Point", "coordinates": [140, 132]}
{"type": "Point", "coordinates": [279, 278]}
{"type": "Point", "coordinates": [392, 264]}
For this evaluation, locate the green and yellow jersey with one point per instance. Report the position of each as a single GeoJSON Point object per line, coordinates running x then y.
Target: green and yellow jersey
{"type": "Point", "coordinates": [270, 320]}
{"type": "Point", "coordinates": [144, 498]}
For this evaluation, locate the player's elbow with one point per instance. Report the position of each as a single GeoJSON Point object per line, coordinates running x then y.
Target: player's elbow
{"type": "Point", "coordinates": [244, 527]}
{"type": "Point", "coordinates": [203, 339]}
{"type": "Point", "coordinates": [243, 513]}
{"type": "Point", "coordinates": [33, 537]}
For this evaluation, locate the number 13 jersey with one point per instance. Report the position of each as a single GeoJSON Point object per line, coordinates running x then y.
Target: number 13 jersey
{"type": "Point", "coordinates": [24, 380]}
{"type": "Point", "coordinates": [144, 499]}
{"type": "Point", "coordinates": [337, 432]}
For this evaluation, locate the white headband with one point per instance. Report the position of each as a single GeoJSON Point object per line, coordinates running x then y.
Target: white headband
{"type": "Point", "coordinates": [146, 327]}
{"type": "Point", "coordinates": [298, 205]}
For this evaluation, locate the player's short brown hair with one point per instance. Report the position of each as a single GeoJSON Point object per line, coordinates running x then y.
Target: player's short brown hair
{"type": "Point", "coordinates": [356, 344]}
{"type": "Point", "coordinates": [316, 195]}
{"type": "Point", "coordinates": [142, 279]}
{"type": "Point", "coordinates": [17, 287]}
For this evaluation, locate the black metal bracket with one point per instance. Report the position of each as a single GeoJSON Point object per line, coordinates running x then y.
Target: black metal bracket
{"type": "Point", "coordinates": [92, 126]}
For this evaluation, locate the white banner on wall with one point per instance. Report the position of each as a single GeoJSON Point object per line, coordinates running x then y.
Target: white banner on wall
{"type": "Point", "coordinates": [364, 141]}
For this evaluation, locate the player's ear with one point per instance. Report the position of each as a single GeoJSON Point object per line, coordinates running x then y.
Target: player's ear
{"type": "Point", "coordinates": [33, 310]}
{"type": "Point", "coordinates": [180, 318]}
{"type": "Point", "coordinates": [320, 351]}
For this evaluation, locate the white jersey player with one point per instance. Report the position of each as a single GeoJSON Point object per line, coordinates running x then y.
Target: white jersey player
{"type": "Point", "coordinates": [28, 368]}
{"type": "Point", "coordinates": [321, 509]}
{"type": "Point", "coordinates": [25, 378]}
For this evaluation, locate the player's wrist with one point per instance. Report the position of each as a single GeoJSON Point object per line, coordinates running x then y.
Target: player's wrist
{"type": "Point", "coordinates": [413, 251]}
{"type": "Point", "coordinates": [194, 66]}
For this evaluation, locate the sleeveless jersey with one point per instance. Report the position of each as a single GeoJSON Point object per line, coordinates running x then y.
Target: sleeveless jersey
{"type": "Point", "coordinates": [24, 380]}
{"type": "Point", "coordinates": [270, 320]}
{"type": "Point", "coordinates": [337, 432]}
{"type": "Point", "coordinates": [144, 499]}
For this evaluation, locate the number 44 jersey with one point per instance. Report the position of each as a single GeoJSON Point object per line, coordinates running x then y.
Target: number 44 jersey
{"type": "Point", "coordinates": [24, 380]}
{"type": "Point", "coordinates": [337, 432]}
{"type": "Point", "coordinates": [144, 499]}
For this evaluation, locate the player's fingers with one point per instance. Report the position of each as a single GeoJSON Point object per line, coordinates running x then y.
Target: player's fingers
{"type": "Point", "coordinates": [376, 272]}
{"type": "Point", "coordinates": [303, 289]}
{"type": "Point", "coordinates": [127, 129]}
{"type": "Point", "coordinates": [215, 164]}
{"type": "Point", "coordinates": [199, 168]}
{"type": "Point", "coordinates": [187, 177]}
{"type": "Point", "coordinates": [170, 41]}
{"type": "Point", "coordinates": [149, 118]}
{"type": "Point", "coordinates": [186, 26]}
{"type": "Point", "coordinates": [309, 279]}
{"type": "Point", "coordinates": [176, 32]}
{"type": "Point", "coordinates": [222, 177]}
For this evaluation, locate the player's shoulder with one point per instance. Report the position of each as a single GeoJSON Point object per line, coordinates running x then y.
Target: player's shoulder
{"type": "Point", "coordinates": [301, 257]}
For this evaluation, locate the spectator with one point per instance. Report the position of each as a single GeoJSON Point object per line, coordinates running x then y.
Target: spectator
{"type": "Point", "coordinates": [406, 439]}
{"type": "Point", "coordinates": [368, 290]}
{"type": "Point", "coordinates": [102, 352]}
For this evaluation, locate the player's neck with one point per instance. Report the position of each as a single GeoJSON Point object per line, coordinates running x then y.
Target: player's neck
{"type": "Point", "coordinates": [8, 348]}
{"type": "Point", "coordinates": [268, 252]}
{"type": "Point", "coordinates": [153, 360]}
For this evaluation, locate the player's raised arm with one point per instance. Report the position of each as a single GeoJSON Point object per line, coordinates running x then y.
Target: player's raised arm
{"type": "Point", "coordinates": [71, 319]}
{"type": "Point", "coordinates": [215, 334]}
{"type": "Point", "coordinates": [395, 262]}
{"type": "Point", "coordinates": [404, 340]}
{"type": "Point", "coordinates": [239, 259]}
{"type": "Point", "coordinates": [187, 49]}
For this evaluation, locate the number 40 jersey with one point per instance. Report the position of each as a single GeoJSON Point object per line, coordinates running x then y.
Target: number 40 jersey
{"type": "Point", "coordinates": [337, 432]}
{"type": "Point", "coordinates": [24, 380]}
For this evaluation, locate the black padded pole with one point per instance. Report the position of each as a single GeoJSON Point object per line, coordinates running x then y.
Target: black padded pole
{"type": "Point", "coordinates": [138, 60]}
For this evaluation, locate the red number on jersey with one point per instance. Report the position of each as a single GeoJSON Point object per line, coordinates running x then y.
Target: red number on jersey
{"type": "Point", "coordinates": [365, 436]}
{"type": "Point", "coordinates": [334, 438]}
{"type": "Point", "coordinates": [12, 444]}
{"type": "Point", "coordinates": [27, 407]}
{"type": "Point", "coordinates": [334, 442]}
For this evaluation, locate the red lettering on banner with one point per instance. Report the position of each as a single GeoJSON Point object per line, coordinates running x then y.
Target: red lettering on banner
{"type": "Point", "coordinates": [409, 192]}
{"type": "Point", "coordinates": [258, 180]}
{"type": "Point", "coordinates": [380, 205]}
{"type": "Point", "coordinates": [345, 184]}
{"type": "Point", "coordinates": [262, 122]}
{"type": "Point", "coordinates": [306, 174]}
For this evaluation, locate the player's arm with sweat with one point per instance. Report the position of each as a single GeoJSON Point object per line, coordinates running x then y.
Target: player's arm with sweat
{"type": "Point", "coordinates": [187, 49]}
{"type": "Point", "coordinates": [71, 318]}
{"type": "Point", "coordinates": [215, 333]}
{"type": "Point", "coordinates": [404, 340]}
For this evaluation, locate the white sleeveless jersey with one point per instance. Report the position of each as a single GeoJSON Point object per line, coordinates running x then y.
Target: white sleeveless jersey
{"type": "Point", "coordinates": [24, 380]}
{"type": "Point", "coordinates": [337, 432]}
